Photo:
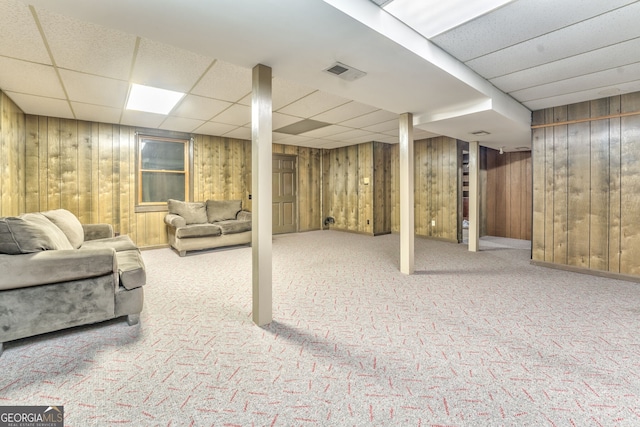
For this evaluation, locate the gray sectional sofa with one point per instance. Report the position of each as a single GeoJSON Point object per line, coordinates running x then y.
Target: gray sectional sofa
{"type": "Point", "coordinates": [207, 225]}
{"type": "Point", "coordinates": [58, 273]}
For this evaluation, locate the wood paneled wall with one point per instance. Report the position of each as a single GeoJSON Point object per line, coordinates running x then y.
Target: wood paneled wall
{"type": "Point", "coordinates": [437, 164]}
{"type": "Point", "coordinates": [586, 182]}
{"type": "Point", "coordinates": [381, 188]}
{"type": "Point", "coordinates": [222, 169]}
{"type": "Point", "coordinates": [508, 194]}
{"type": "Point", "coordinates": [12, 157]}
{"type": "Point", "coordinates": [348, 199]}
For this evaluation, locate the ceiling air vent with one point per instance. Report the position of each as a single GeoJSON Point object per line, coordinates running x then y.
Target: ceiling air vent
{"type": "Point", "coordinates": [345, 72]}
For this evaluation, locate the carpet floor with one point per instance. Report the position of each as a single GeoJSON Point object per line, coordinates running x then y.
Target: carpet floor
{"type": "Point", "coordinates": [470, 339]}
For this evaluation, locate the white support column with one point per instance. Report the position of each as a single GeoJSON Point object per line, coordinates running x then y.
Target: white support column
{"type": "Point", "coordinates": [474, 196]}
{"type": "Point", "coordinates": [262, 198]}
{"type": "Point", "coordinates": [407, 213]}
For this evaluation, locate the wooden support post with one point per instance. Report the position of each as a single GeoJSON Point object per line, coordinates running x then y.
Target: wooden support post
{"type": "Point", "coordinates": [261, 167]}
{"type": "Point", "coordinates": [407, 214]}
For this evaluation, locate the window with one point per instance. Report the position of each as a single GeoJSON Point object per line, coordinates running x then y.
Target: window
{"type": "Point", "coordinates": [163, 170]}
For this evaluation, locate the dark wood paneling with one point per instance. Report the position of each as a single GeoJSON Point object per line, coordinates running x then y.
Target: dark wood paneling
{"type": "Point", "coordinates": [508, 194]}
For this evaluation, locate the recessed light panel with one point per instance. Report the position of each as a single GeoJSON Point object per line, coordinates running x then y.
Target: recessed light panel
{"type": "Point", "coordinates": [152, 99]}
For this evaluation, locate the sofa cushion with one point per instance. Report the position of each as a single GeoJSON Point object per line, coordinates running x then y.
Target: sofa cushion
{"type": "Point", "coordinates": [198, 230]}
{"type": "Point", "coordinates": [221, 210]}
{"type": "Point", "coordinates": [69, 224]}
{"type": "Point", "coordinates": [192, 212]}
{"type": "Point", "coordinates": [234, 226]}
{"type": "Point", "coordinates": [131, 269]}
{"type": "Point", "coordinates": [30, 233]}
{"type": "Point", "coordinates": [119, 243]}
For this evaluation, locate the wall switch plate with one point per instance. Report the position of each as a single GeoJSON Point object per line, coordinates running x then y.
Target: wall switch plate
{"type": "Point", "coordinates": [433, 222]}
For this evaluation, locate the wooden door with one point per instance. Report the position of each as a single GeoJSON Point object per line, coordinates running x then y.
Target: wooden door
{"type": "Point", "coordinates": [285, 216]}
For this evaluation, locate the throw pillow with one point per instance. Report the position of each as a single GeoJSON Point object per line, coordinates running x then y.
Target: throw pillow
{"type": "Point", "coordinates": [30, 233]}
{"type": "Point", "coordinates": [69, 224]}
{"type": "Point", "coordinates": [192, 212]}
{"type": "Point", "coordinates": [221, 210]}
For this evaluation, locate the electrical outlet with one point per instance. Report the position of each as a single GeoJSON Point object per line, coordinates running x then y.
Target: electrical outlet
{"type": "Point", "coordinates": [367, 222]}
{"type": "Point", "coordinates": [433, 222]}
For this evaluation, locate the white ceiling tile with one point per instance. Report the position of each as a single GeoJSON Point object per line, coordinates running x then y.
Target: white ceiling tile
{"type": "Point", "coordinates": [390, 125]}
{"type": "Point", "coordinates": [88, 47]}
{"type": "Point", "coordinates": [344, 112]}
{"type": "Point", "coordinates": [213, 128]}
{"type": "Point", "coordinates": [284, 92]}
{"type": "Point", "coordinates": [29, 78]}
{"type": "Point", "coordinates": [277, 137]}
{"type": "Point", "coordinates": [92, 89]}
{"type": "Point", "coordinates": [517, 22]}
{"type": "Point", "coordinates": [181, 124]}
{"type": "Point", "coordinates": [20, 36]}
{"type": "Point", "coordinates": [280, 120]}
{"type": "Point", "coordinates": [605, 78]}
{"type": "Point", "coordinates": [294, 140]}
{"type": "Point", "coordinates": [353, 134]}
{"type": "Point", "coordinates": [315, 103]}
{"type": "Point", "coordinates": [326, 131]}
{"type": "Point", "coordinates": [604, 30]}
{"type": "Point", "coordinates": [246, 100]}
{"type": "Point", "coordinates": [142, 119]}
{"type": "Point", "coordinates": [225, 81]}
{"type": "Point", "coordinates": [96, 113]}
{"type": "Point", "coordinates": [237, 114]}
{"type": "Point", "coordinates": [593, 61]}
{"type": "Point", "coordinates": [239, 133]}
{"type": "Point", "coordinates": [379, 116]}
{"type": "Point", "coordinates": [200, 108]}
{"type": "Point", "coordinates": [387, 139]}
{"type": "Point", "coordinates": [168, 67]}
{"type": "Point", "coordinates": [586, 95]}
{"type": "Point", "coordinates": [41, 106]}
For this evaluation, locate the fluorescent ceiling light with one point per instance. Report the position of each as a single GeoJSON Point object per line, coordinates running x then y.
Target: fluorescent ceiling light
{"type": "Point", "coordinates": [433, 17]}
{"type": "Point", "coordinates": [152, 99]}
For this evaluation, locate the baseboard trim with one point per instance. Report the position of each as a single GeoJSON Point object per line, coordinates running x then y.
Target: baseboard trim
{"type": "Point", "coordinates": [582, 270]}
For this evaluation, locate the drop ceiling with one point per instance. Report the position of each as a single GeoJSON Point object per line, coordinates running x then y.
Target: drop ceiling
{"type": "Point", "coordinates": [77, 59]}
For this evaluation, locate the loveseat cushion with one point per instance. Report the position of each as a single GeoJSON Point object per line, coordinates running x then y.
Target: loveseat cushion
{"type": "Point", "coordinates": [119, 243]}
{"type": "Point", "coordinates": [69, 224]}
{"type": "Point", "coordinates": [131, 269]}
{"type": "Point", "coordinates": [234, 226]}
{"type": "Point", "coordinates": [192, 212]}
{"type": "Point", "coordinates": [30, 233]}
{"type": "Point", "coordinates": [221, 210]}
{"type": "Point", "coordinates": [198, 230]}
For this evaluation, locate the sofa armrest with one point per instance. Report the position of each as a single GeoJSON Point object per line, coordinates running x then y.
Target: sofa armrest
{"type": "Point", "coordinates": [97, 231]}
{"type": "Point", "coordinates": [244, 216]}
{"type": "Point", "coordinates": [54, 266]}
{"type": "Point", "coordinates": [175, 220]}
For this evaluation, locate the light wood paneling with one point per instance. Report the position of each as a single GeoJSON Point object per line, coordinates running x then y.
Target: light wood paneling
{"type": "Point", "coordinates": [436, 188]}
{"type": "Point", "coordinates": [12, 157]}
{"type": "Point", "coordinates": [590, 185]}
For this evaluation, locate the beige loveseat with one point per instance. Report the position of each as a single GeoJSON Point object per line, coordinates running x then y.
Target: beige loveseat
{"type": "Point", "coordinates": [58, 273]}
{"type": "Point", "coordinates": [205, 225]}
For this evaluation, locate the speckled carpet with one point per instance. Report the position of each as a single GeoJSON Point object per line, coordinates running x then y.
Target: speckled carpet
{"type": "Point", "coordinates": [471, 339]}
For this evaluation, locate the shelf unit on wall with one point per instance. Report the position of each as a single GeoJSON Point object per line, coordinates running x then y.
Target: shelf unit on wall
{"type": "Point", "coordinates": [465, 186]}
